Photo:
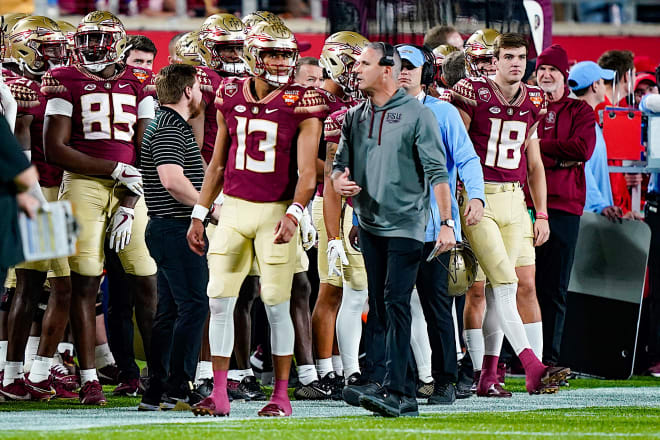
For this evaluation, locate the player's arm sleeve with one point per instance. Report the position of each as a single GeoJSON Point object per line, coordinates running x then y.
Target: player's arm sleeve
{"type": "Point", "coordinates": [467, 161]}
{"type": "Point", "coordinates": [332, 129]}
{"type": "Point", "coordinates": [166, 146]}
{"type": "Point", "coordinates": [342, 156]}
{"type": "Point", "coordinates": [26, 99]}
{"type": "Point", "coordinates": [579, 146]}
{"type": "Point", "coordinates": [431, 147]}
{"type": "Point", "coordinates": [312, 105]}
{"type": "Point", "coordinates": [146, 108]}
{"type": "Point", "coordinates": [60, 98]}
{"type": "Point", "coordinates": [464, 97]}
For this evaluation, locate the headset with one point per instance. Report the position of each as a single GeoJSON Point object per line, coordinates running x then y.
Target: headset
{"type": "Point", "coordinates": [388, 58]}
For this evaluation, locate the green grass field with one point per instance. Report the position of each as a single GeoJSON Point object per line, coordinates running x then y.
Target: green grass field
{"type": "Point", "coordinates": [630, 419]}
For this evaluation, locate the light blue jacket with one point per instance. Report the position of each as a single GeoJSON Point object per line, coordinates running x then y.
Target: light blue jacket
{"type": "Point", "coordinates": [597, 176]}
{"type": "Point", "coordinates": [461, 158]}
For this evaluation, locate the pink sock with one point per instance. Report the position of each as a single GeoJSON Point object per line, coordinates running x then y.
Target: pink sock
{"type": "Point", "coordinates": [281, 396]}
{"type": "Point", "coordinates": [488, 372]}
{"type": "Point", "coordinates": [219, 394]}
{"type": "Point", "coordinates": [534, 369]}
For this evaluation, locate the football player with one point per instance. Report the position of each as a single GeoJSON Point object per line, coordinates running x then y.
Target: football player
{"type": "Point", "coordinates": [265, 194]}
{"type": "Point", "coordinates": [96, 114]}
{"type": "Point", "coordinates": [501, 116]}
{"type": "Point", "coordinates": [479, 53]}
{"type": "Point", "coordinates": [69, 32]}
{"type": "Point", "coordinates": [36, 45]}
{"type": "Point", "coordinates": [343, 279]}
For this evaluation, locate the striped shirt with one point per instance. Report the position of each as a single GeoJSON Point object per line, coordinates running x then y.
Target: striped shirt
{"type": "Point", "coordinates": [169, 139]}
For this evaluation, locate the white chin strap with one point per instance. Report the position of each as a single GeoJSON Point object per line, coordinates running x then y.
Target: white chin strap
{"type": "Point", "coordinates": [276, 80]}
{"type": "Point", "coordinates": [237, 68]}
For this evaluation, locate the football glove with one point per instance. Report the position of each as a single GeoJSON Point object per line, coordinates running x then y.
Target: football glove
{"type": "Point", "coordinates": [307, 231]}
{"type": "Point", "coordinates": [120, 228]}
{"type": "Point", "coordinates": [336, 251]}
{"type": "Point", "coordinates": [129, 176]}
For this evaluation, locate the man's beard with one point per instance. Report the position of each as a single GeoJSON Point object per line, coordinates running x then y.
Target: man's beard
{"type": "Point", "coordinates": [193, 109]}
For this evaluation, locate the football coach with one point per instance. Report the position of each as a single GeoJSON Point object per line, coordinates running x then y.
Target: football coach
{"type": "Point", "coordinates": [389, 156]}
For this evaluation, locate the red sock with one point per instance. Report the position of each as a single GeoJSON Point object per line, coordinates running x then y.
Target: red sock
{"type": "Point", "coordinates": [281, 396]}
{"type": "Point", "coordinates": [488, 372]}
{"type": "Point", "coordinates": [534, 369]}
{"type": "Point", "coordinates": [219, 394]}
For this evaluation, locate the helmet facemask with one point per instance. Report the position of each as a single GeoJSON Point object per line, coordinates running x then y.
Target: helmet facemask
{"type": "Point", "coordinates": [233, 64]}
{"type": "Point", "coordinates": [95, 50]}
{"type": "Point", "coordinates": [277, 74]}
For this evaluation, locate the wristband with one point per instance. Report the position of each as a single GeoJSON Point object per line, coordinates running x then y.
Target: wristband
{"type": "Point", "coordinates": [199, 212]}
{"type": "Point", "coordinates": [296, 210]}
{"type": "Point", "coordinates": [293, 218]}
{"type": "Point", "coordinates": [541, 216]}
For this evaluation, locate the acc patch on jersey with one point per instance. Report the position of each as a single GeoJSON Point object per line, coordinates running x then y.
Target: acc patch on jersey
{"type": "Point", "coordinates": [231, 89]}
{"type": "Point", "coordinates": [484, 94]}
{"type": "Point", "coordinates": [140, 74]}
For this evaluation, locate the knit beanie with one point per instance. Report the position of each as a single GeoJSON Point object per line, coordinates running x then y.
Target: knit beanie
{"type": "Point", "coordinates": [554, 55]}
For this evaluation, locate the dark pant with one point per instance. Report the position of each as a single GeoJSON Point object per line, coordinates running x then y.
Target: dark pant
{"type": "Point", "coordinates": [652, 215]}
{"type": "Point", "coordinates": [554, 261]}
{"type": "Point", "coordinates": [182, 302]}
{"type": "Point", "coordinates": [432, 285]}
{"type": "Point", "coordinates": [121, 302]}
{"type": "Point", "coordinates": [392, 264]}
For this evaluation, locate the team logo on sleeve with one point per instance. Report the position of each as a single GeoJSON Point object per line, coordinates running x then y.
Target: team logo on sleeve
{"type": "Point", "coordinates": [231, 89]}
{"type": "Point", "coordinates": [484, 94]}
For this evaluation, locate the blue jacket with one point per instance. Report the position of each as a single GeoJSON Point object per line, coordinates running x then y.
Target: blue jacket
{"type": "Point", "coordinates": [461, 158]}
{"type": "Point", "coordinates": [597, 176]}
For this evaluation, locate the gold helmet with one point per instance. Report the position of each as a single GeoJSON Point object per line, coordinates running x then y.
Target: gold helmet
{"type": "Point", "coordinates": [187, 49]}
{"type": "Point", "coordinates": [222, 32]}
{"type": "Point", "coordinates": [462, 269]}
{"type": "Point", "coordinates": [441, 52]}
{"type": "Point", "coordinates": [338, 56]}
{"type": "Point", "coordinates": [256, 17]}
{"type": "Point", "coordinates": [100, 40]}
{"type": "Point", "coordinates": [7, 22]}
{"type": "Point", "coordinates": [37, 44]}
{"type": "Point", "coordinates": [479, 47]}
{"type": "Point", "coordinates": [69, 32]}
{"type": "Point", "coordinates": [270, 37]}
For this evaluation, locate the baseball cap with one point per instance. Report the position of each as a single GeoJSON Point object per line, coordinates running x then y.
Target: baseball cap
{"type": "Point", "coordinates": [585, 73]}
{"type": "Point", "coordinates": [412, 54]}
{"type": "Point", "coordinates": [644, 77]}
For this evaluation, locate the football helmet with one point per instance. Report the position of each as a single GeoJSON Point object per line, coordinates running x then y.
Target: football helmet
{"type": "Point", "coordinates": [69, 32]}
{"type": "Point", "coordinates": [251, 19]}
{"type": "Point", "coordinates": [221, 32]}
{"type": "Point", "coordinates": [462, 270]}
{"type": "Point", "coordinates": [37, 44]}
{"type": "Point", "coordinates": [187, 49]}
{"type": "Point", "coordinates": [100, 40]}
{"type": "Point", "coordinates": [270, 37]}
{"type": "Point", "coordinates": [479, 48]}
{"type": "Point", "coordinates": [7, 22]}
{"type": "Point", "coordinates": [338, 56]}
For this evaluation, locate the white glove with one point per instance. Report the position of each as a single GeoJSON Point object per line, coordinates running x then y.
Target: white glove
{"type": "Point", "coordinates": [307, 231]}
{"type": "Point", "coordinates": [120, 228]}
{"type": "Point", "coordinates": [335, 251]}
{"type": "Point", "coordinates": [8, 105]}
{"type": "Point", "coordinates": [129, 176]}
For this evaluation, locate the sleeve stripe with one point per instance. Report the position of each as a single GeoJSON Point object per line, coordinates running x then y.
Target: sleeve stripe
{"type": "Point", "coordinates": [59, 106]}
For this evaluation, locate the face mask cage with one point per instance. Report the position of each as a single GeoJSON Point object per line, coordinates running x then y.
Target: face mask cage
{"type": "Point", "coordinates": [95, 50]}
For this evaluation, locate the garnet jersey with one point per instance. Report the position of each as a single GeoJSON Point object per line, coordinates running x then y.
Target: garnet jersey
{"type": "Point", "coordinates": [261, 164]}
{"type": "Point", "coordinates": [30, 101]}
{"type": "Point", "coordinates": [209, 82]}
{"type": "Point", "coordinates": [103, 112]}
{"type": "Point", "coordinates": [498, 128]}
{"type": "Point", "coordinates": [6, 73]}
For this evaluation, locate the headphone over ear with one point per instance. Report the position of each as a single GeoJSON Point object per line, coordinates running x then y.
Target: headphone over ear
{"type": "Point", "coordinates": [429, 69]}
{"type": "Point", "coordinates": [388, 58]}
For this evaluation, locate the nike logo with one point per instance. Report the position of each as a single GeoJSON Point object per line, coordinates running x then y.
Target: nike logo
{"type": "Point", "coordinates": [524, 113]}
{"type": "Point", "coordinates": [128, 176]}
{"type": "Point", "coordinates": [123, 220]}
{"type": "Point", "coordinates": [548, 128]}
{"type": "Point", "coordinates": [121, 86]}
{"type": "Point", "coordinates": [271, 110]}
